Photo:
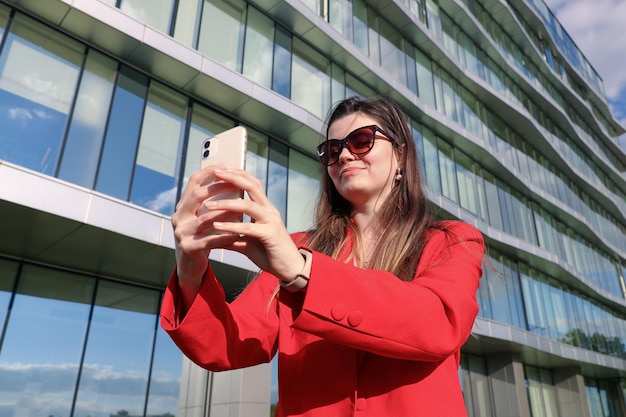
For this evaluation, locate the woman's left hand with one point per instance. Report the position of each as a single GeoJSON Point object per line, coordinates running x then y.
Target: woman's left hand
{"type": "Point", "coordinates": [265, 240]}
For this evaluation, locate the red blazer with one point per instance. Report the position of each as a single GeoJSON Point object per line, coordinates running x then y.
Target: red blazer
{"type": "Point", "coordinates": [355, 342]}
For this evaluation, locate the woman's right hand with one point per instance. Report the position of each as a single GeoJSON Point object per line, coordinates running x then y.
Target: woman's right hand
{"type": "Point", "coordinates": [194, 235]}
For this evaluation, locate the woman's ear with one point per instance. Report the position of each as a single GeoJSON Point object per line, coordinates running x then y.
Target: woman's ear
{"type": "Point", "coordinates": [398, 152]}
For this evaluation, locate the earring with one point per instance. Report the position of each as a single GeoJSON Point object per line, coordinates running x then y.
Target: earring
{"type": "Point", "coordinates": [398, 174]}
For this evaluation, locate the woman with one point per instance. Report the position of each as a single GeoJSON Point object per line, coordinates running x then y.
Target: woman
{"type": "Point", "coordinates": [367, 312]}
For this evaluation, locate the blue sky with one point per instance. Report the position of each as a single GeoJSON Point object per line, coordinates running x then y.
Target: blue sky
{"type": "Point", "coordinates": [597, 27]}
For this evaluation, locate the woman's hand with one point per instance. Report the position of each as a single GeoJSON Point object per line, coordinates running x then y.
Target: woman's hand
{"type": "Point", "coordinates": [194, 234]}
{"type": "Point", "coordinates": [265, 240]}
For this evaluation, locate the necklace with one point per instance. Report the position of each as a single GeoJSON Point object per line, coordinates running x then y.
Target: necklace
{"type": "Point", "coordinates": [368, 253]}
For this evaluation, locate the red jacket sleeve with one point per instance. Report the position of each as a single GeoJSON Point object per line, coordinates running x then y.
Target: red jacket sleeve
{"type": "Point", "coordinates": [426, 319]}
{"type": "Point", "coordinates": [221, 336]}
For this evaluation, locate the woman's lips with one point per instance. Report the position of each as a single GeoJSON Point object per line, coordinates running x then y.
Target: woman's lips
{"type": "Point", "coordinates": [350, 171]}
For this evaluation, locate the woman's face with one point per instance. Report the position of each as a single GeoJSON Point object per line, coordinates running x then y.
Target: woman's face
{"type": "Point", "coordinates": [363, 180]}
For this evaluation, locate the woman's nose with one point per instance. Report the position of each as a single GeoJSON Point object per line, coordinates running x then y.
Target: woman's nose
{"type": "Point", "coordinates": [345, 155]}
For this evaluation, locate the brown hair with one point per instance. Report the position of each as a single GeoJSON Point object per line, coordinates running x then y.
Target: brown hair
{"type": "Point", "coordinates": [404, 216]}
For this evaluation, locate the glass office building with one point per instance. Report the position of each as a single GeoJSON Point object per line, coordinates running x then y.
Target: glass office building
{"type": "Point", "coordinates": [104, 104]}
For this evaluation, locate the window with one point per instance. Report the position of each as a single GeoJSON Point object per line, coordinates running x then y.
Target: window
{"type": "Point", "coordinates": [373, 37]}
{"type": "Point", "coordinates": [359, 23]}
{"type": "Point", "coordinates": [39, 70]}
{"type": "Point", "coordinates": [277, 176]}
{"type": "Point", "coordinates": [259, 48]}
{"type": "Point", "coordinates": [502, 292]}
{"type": "Point", "coordinates": [164, 377]}
{"type": "Point", "coordinates": [493, 200]}
{"type": "Point", "coordinates": [44, 340]}
{"type": "Point", "coordinates": [315, 5]}
{"type": "Point", "coordinates": [303, 190]}
{"type": "Point", "coordinates": [310, 82]}
{"type": "Point", "coordinates": [156, 173]}
{"type": "Point", "coordinates": [425, 81]}
{"type": "Point", "coordinates": [392, 56]}
{"type": "Point", "coordinates": [204, 123]}
{"type": "Point", "coordinates": [431, 160]}
{"type": "Point", "coordinates": [156, 13]}
{"type": "Point", "coordinates": [281, 77]}
{"type": "Point", "coordinates": [88, 123]}
{"type": "Point", "coordinates": [466, 178]}
{"type": "Point", "coordinates": [433, 20]}
{"type": "Point", "coordinates": [447, 170]}
{"type": "Point", "coordinates": [187, 22]}
{"type": "Point", "coordinates": [471, 112]}
{"type": "Point", "coordinates": [221, 32]}
{"type": "Point", "coordinates": [120, 144]}
{"type": "Point", "coordinates": [475, 384]}
{"type": "Point", "coordinates": [448, 30]}
{"type": "Point", "coordinates": [340, 16]}
{"type": "Point", "coordinates": [541, 392]}
{"type": "Point", "coordinates": [119, 348]}
{"type": "Point", "coordinates": [256, 157]}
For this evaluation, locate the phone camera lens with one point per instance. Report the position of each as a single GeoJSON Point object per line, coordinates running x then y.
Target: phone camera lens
{"type": "Point", "coordinates": [206, 153]}
{"type": "Point", "coordinates": [207, 144]}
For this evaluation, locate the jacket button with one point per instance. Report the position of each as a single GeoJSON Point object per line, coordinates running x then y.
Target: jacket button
{"type": "Point", "coordinates": [361, 404]}
{"type": "Point", "coordinates": [355, 318]}
{"type": "Point", "coordinates": [338, 312]}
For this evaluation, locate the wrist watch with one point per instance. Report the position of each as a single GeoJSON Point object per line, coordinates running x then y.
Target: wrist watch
{"type": "Point", "coordinates": [302, 279]}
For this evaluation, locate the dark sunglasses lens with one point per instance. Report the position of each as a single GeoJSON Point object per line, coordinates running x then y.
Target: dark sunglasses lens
{"type": "Point", "coordinates": [361, 141]}
{"type": "Point", "coordinates": [329, 151]}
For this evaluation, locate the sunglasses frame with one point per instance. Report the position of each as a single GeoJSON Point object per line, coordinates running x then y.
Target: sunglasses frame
{"type": "Point", "coordinates": [345, 143]}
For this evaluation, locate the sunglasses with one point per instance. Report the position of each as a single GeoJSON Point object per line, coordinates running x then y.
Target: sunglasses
{"type": "Point", "coordinates": [359, 142]}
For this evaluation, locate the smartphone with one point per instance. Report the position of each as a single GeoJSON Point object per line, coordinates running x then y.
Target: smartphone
{"type": "Point", "coordinates": [227, 148]}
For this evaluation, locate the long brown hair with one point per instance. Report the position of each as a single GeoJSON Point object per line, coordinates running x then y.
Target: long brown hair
{"type": "Point", "coordinates": [404, 216]}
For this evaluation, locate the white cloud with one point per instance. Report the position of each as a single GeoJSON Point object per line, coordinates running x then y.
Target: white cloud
{"type": "Point", "coordinates": [24, 115]}
{"type": "Point", "coordinates": [20, 114]}
{"type": "Point", "coordinates": [163, 200]}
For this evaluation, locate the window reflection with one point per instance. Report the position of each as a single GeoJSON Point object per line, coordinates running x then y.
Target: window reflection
{"type": "Point", "coordinates": [392, 55]}
{"type": "Point", "coordinates": [36, 93]}
{"type": "Point", "coordinates": [431, 160]}
{"type": "Point", "coordinates": [340, 16]}
{"type": "Point", "coordinates": [447, 170]}
{"type": "Point", "coordinates": [158, 158]}
{"type": "Point", "coordinates": [222, 30]}
{"type": "Point", "coordinates": [115, 370]}
{"type": "Point", "coordinates": [164, 377]}
{"type": "Point", "coordinates": [155, 13]}
{"type": "Point", "coordinates": [41, 353]}
{"type": "Point", "coordinates": [257, 155]}
{"type": "Point", "coordinates": [204, 123]}
{"type": "Point", "coordinates": [120, 144]}
{"type": "Point", "coordinates": [281, 77]}
{"type": "Point", "coordinates": [86, 131]}
{"type": "Point", "coordinates": [277, 176]}
{"type": "Point", "coordinates": [302, 192]}
{"type": "Point", "coordinates": [475, 384]}
{"type": "Point", "coordinates": [541, 392]}
{"type": "Point", "coordinates": [258, 55]}
{"type": "Point", "coordinates": [310, 79]}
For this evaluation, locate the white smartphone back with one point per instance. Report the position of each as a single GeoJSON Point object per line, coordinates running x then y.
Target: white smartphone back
{"type": "Point", "coordinates": [226, 148]}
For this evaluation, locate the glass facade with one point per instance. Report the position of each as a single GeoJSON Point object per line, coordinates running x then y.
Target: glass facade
{"type": "Point", "coordinates": [77, 345]}
{"type": "Point", "coordinates": [511, 141]}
